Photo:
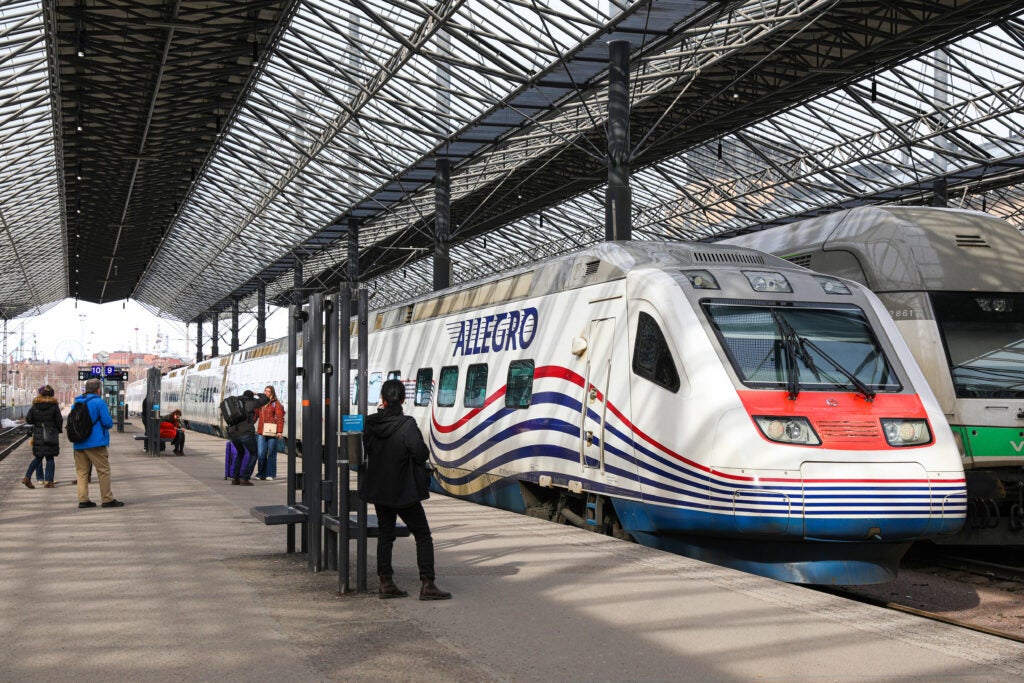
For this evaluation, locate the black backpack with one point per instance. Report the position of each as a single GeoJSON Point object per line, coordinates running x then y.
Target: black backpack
{"type": "Point", "coordinates": [79, 427]}
{"type": "Point", "coordinates": [232, 409]}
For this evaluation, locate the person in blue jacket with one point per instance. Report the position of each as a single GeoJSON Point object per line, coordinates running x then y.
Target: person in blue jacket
{"type": "Point", "coordinates": [93, 452]}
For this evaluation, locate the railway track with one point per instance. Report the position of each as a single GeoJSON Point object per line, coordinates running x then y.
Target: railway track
{"type": "Point", "coordinates": [978, 588]}
{"type": "Point", "coordinates": [11, 438]}
{"type": "Point", "coordinates": [994, 570]}
{"type": "Point", "coordinates": [859, 596]}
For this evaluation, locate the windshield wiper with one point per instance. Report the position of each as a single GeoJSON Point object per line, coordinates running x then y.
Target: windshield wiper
{"type": "Point", "coordinates": [792, 338]}
{"type": "Point", "coordinates": [794, 349]}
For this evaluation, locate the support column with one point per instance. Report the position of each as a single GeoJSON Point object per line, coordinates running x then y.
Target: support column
{"type": "Point", "coordinates": [442, 224]}
{"type": "Point", "coordinates": [312, 428]}
{"type": "Point", "coordinates": [294, 330]}
{"type": "Point", "coordinates": [362, 312]}
{"type": "Point", "coordinates": [234, 324]}
{"type": "Point", "coordinates": [261, 312]}
{"type": "Point", "coordinates": [330, 388]}
{"type": "Point", "coordinates": [939, 187]}
{"type": "Point", "coordinates": [618, 203]}
{"type": "Point", "coordinates": [199, 339]}
{"type": "Point", "coordinates": [215, 335]}
{"type": "Point", "coordinates": [151, 412]}
{"type": "Point", "coordinates": [352, 248]}
{"type": "Point", "coordinates": [346, 456]}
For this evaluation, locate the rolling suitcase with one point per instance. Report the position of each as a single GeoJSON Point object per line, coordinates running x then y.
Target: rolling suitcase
{"type": "Point", "coordinates": [229, 460]}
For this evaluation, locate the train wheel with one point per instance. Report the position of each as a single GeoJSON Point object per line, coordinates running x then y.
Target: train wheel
{"type": "Point", "coordinates": [615, 530]}
{"type": "Point", "coordinates": [992, 510]}
{"type": "Point", "coordinates": [1017, 517]}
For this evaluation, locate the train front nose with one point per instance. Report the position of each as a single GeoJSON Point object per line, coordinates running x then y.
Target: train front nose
{"type": "Point", "coordinates": [867, 501]}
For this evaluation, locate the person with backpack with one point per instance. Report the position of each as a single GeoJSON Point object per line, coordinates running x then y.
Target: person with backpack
{"type": "Point", "coordinates": [396, 481]}
{"type": "Point", "coordinates": [88, 429]}
{"type": "Point", "coordinates": [47, 424]}
{"type": "Point", "coordinates": [241, 428]}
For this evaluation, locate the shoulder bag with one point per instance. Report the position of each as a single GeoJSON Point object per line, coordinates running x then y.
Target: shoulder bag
{"type": "Point", "coordinates": [51, 437]}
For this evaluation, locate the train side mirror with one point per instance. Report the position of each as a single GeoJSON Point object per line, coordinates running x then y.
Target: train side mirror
{"type": "Point", "coordinates": [579, 345]}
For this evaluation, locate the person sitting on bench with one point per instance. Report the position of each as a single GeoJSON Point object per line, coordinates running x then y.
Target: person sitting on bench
{"type": "Point", "coordinates": [170, 428]}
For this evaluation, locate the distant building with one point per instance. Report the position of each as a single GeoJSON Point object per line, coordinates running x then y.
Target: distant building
{"type": "Point", "coordinates": [131, 360]}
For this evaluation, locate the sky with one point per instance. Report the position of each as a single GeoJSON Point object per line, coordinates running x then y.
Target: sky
{"type": "Point", "coordinates": [70, 332]}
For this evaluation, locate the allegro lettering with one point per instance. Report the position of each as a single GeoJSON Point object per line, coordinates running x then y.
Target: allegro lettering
{"type": "Point", "coordinates": [494, 333]}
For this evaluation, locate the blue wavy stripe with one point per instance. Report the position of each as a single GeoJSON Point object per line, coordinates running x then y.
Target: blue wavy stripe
{"type": "Point", "coordinates": [534, 477]}
{"type": "Point", "coordinates": [540, 424]}
{"type": "Point", "coordinates": [718, 498]}
{"type": "Point", "coordinates": [543, 397]}
{"type": "Point", "coordinates": [690, 502]}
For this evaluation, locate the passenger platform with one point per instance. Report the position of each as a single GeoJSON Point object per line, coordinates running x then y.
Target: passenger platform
{"type": "Point", "coordinates": [184, 584]}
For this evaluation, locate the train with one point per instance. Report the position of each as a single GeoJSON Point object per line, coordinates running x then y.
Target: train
{"type": "Point", "coordinates": [953, 282]}
{"type": "Point", "coordinates": [711, 401]}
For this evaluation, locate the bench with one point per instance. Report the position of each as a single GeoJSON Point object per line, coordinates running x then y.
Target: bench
{"type": "Point", "coordinates": [289, 514]}
{"type": "Point", "coordinates": [278, 514]}
{"type": "Point", "coordinates": [334, 524]}
{"type": "Point", "coordinates": [143, 437]}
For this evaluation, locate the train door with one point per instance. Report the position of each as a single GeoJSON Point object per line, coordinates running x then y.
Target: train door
{"type": "Point", "coordinates": [596, 386]}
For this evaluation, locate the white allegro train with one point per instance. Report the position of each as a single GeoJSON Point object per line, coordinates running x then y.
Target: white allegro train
{"type": "Point", "coordinates": [712, 401]}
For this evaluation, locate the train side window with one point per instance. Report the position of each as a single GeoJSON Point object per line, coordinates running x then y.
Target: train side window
{"type": "Point", "coordinates": [652, 358]}
{"type": "Point", "coordinates": [476, 386]}
{"type": "Point", "coordinates": [447, 385]}
{"type": "Point", "coordinates": [424, 380]}
{"type": "Point", "coordinates": [519, 384]}
{"type": "Point", "coordinates": [373, 388]}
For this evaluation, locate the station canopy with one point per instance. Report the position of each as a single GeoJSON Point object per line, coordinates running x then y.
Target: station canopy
{"type": "Point", "coordinates": [185, 154]}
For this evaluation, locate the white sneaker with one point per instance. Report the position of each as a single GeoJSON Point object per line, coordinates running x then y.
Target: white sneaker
{"type": "Point", "coordinates": [269, 478]}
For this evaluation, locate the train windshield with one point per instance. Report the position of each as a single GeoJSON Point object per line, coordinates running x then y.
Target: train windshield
{"type": "Point", "coordinates": [984, 339]}
{"type": "Point", "coordinates": [802, 347]}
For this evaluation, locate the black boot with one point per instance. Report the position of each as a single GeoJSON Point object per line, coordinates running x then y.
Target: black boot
{"type": "Point", "coordinates": [388, 589]}
{"type": "Point", "coordinates": [429, 591]}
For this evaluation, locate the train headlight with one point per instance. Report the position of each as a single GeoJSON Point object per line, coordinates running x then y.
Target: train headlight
{"type": "Point", "coordinates": [830, 285]}
{"type": "Point", "coordinates": [903, 432]}
{"type": "Point", "coordinates": [767, 281]}
{"type": "Point", "coordinates": [701, 279]}
{"type": "Point", "coordinates": [795, 430]}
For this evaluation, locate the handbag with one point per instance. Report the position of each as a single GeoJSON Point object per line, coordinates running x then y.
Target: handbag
{"type": "Point", "coordinates": [51, 437]}
{"type": "Point", "coordinates": [270, 429]}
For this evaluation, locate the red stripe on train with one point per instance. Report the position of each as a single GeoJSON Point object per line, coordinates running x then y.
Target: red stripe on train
{"type": "Point", "coordinates": [843, 420]}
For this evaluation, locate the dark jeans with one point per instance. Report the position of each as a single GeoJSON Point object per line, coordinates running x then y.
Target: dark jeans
{"type": "Point", "coordinates": [178, 442]}
{"type": "Point", "coordinates": [37, 466]}
{"type": "Point", "coordinates": [415, 518]}
{"type": "Point", "coordinates": [243, 444]}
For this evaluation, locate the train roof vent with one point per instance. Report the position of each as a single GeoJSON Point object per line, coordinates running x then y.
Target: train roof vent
{"type": "Point", "coordinates": [592, 267]}
{"type": "Point", "coordinates": [801, 260]}
{"type": "Point", "coordinates": [971, 241]}
{"type": "Point", "coordinates": [727, 257]}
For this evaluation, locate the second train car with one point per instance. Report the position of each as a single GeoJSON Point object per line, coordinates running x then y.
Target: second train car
{"type": "Point", "coordinates": [712, 401]}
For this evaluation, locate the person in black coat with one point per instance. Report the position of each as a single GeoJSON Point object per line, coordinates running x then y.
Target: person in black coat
{"type": "Point", "coordinates": [243, 436]}
{"type": "Point", "coordinates": [47, 424]}
{"type": "Point", "coordinates": [395, 481]}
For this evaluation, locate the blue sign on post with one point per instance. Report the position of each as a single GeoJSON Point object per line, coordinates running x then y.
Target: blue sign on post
{"type": "Point", "coordinates": [351, 423]}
